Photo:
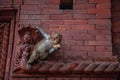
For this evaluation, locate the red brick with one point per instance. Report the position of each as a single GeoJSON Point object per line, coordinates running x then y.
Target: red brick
{"type": "Point", "coordinates": [23, 16]}
{"type": "Point", "coordinates": [99, 53]}
{"type": "Point", "coordinates": [83, 48]}
{"type": "Point", "coordinates": [100, 32]}
{"type": "Point", "coordinates": [116, 13]}
{"type": "Point", "coordinates": [99, 1]}
{"type": "Point", "coordinates": [103, 13]}
{"type": "Point", "coordinates": [116, 24]}
{"type": "Point", "coordinates": [83, 11]}
{"type": "Point", "coordinates": [75, 22]}
{"type": "Point", "coordinates": [80, 1]}
{"type": "Point", "coordinates": [99, 11]}
{"type": "Point", "coordinates": [91, 37]}
{"type": "Point", "coordinates": [61, 17]}
{"type": "Point", "coordinates": [116, 29]}
{"type": "Point", "coordinates": [47, 7]}
{"type": "Point", "coordinates": [115, 19]}
{"type": "Point", "coordinates": [29, 7]}
{"type": "Point", "coordinates": [53, 2]}
{"type": "Point", "coordinates": [52, 12]}
{"type": "Point", "coordinates": [84, 6]}
{"type": "Point", "coordinates": [86, 78]}
{"type": "Point", "coordinates": [91, 11]}
{"type": "Point", "coordinates": [104, 5]}
{"type": "Point", "coordinates": [100, 21]}
{"type": "Point", "coordinates": [103, 16]}
{"type": "Point", "coordinates": [80, 37]}
{"type": "Point", "coordinates": [68, 12]}
{"type": "Point", "coordinates": [54, 22]}
{"type": "Point", "coordinates": [104, 48]}
{"type": "Point", "coordinates": [71, 32]}
{"type": "Point", "coordinates": [18, 2]}
{"type": "Point", "coordinates": [83, 27]}
{"type": "Point", "coordinates": [5, 2]}
{"type": "Point", "coordinates": [84, 16]}
{"type": "Point", "coordinates": [100, 27]}
{"type": "Point", "coordinates": [34, 2]}
{"type": "Point", "coordinates": [103, 37]}
{"type": "Point", "coordinates": [30, 22]}
{"type": "Point", "coordinates": [100, 42]}
{"type": "Point", "coordinates": [57, 27]}
{"type": "Point", "coordinates": [42, 17]}
{"type": "Point", "coordinates": [73, 42]}
{"type": "Point", "coordinates": [30, 12]}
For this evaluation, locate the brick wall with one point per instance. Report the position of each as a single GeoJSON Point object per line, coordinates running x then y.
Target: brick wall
{"type": "Point", "coordinates": [116, 26]}
{"type": "Point", "coordinates": [86, 29]}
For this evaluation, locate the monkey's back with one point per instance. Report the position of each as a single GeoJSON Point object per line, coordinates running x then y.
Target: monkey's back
{"type": "Point", "coordinates": [44, 45]}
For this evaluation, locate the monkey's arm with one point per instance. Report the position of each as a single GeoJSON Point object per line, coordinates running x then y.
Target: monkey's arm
{"type": "Point", "coordinates": [43, 32]}
{"type": "Point", "coordinates": [52, 50]}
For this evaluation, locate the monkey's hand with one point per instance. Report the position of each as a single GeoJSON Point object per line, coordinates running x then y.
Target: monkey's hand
{"type": "Point", "coordinates": [57, 46]}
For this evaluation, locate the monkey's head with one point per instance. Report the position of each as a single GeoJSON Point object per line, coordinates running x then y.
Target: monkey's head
{"type": "Point", "coordinates": [56, 38]}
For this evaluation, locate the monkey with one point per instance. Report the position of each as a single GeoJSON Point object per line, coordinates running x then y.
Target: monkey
{"type": "Point", "coordinates": [45, 47]}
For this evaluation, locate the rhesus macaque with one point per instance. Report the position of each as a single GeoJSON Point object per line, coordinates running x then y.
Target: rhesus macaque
{"type": "Point", "coordinates": [45, 47]}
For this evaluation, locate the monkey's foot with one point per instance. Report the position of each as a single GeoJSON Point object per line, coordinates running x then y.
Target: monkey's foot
{"type": "Point", "coordinates": [28, 66]}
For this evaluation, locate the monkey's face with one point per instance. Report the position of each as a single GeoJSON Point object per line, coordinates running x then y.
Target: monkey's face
{"type": "Point", "coordinates": [56, 38]}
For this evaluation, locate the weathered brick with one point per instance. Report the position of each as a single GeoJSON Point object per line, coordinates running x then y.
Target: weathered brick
{"type": "Point", "coordinates": [100, 32]}
{"type": "Point", "coordinates": [30, 22]}
{"type": "Point", "coordinates": [53, 2]}
{"type": "Point", "coordinates": [104, 48]}
{"type": "Point", "coordinates": [60, 28]}
{"type": "Point", "coordinates": [103, 16]}
{"type": "Point", "coordinates": [47, 7]}
{"type": "Point", "coordinates": [41, 17]}
{"type": "Point", "coordinates": [80, 37]}
{"type": "Point", "coordinates": [103, 37]}
{"type": "Point", "coordinates": [83, 48]}
{"type": "Point", "coordinates": [23, 16]}
{"type": "Point", "coordinates": [75, 22]}
{"type": "Point", "coordinates": [52, 12]}
{"type": "Point", "coordinates": [100, 42]}
{"type": "Point", "coordinates": [73, 42]}
{"type": "Point", "coordinates": [83, 27]}
{"type": "Point", "coordinates": [61, 17]}
{"type": "Point", "coordinates": [80, 1]}
{"type": "Point", "coordinates": [84, 16]}
{"type": "Point", "coordinates": [84, 6]}
{"type": "Point", "coordinates": [103, 6]}
{"type": "Point", "coordinates": [99, 53]}
{"type": "Point", "coordinates": [101, 27]}
{"type": "Point", "coordinates": [99, 1]}
{"type": "Point", "coordinates": [100, 21]}
{"type": "Point", "coordinates": [34, 2]}
{"type": "Point", "coordinates": [116, 23]}
{"type": "Point", "coordinates": [18, 2]}
{"type": "Point", "coordinates": [99, 11]}
{"type": "Point", "coordinates": [30, 12]}
{"type": "Point", "coordinates": [116, 29]}
{"type": "Point", "coordinates": [91, 37]}
{"type": "Point", "coordinates": [83, 11]}
{"type": "Point", "coordinates": [54, 22]}
{"type": "Point", "coordinates": [29, 7]}
{"type": "Point", "coordinates": [5, 2]}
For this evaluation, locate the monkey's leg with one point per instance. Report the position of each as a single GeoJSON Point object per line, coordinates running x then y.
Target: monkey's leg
{"type": "Point", "coordinates": [33, 57]}
{"type": "Point", "coordinates": [44, 56]}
